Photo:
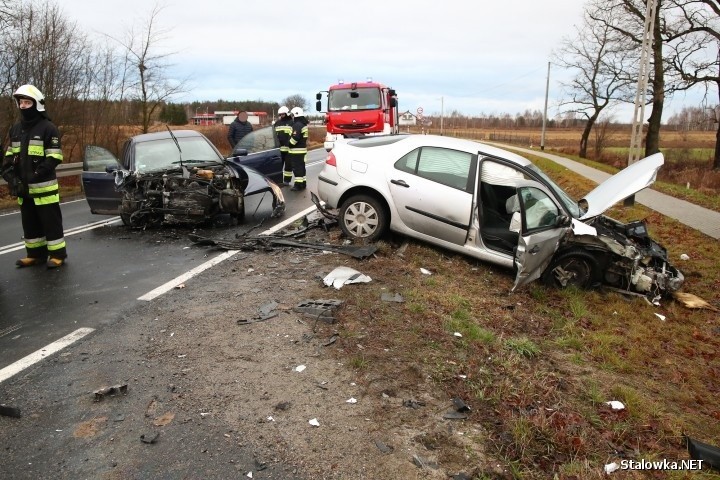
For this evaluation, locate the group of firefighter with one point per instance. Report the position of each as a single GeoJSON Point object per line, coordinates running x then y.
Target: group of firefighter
{"type": "Point", "coordinates": [292, 132]}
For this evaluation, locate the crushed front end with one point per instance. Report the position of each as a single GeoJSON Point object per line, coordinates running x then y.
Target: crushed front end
{"type": "Point", "coordinates": [630, 259]}
{"type": "Point", "coordinates": [180, 195]}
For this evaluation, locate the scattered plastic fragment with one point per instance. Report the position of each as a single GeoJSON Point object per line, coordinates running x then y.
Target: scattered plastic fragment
{"type": "Point", "coordinates": [270, 419]}
{"type": "Point", "coordinates": [684, 256]}
{"type": "Point", "coordinates": [611, 467]}
{"type": "Point", "coordinates": [383, 447]}
{"type": "Point", "coordinates": [178, 287]}
{"type": "Point", "coordinates": [343, 276]}
{"type": "Point", "coordinates": [299, 368]}
{"type": "Point", "coordinates": [615, 405]}
{"type": "Point", "coordinates": [351, 400]}
{"type": "Point", "coordinates": [314, 422]}
{"type": "Point", "coordinates": [249, 475]}
{"type": "Point", "coordinates": [709, 454]}
{"type": "Point", "coordinates": [455, 416]}
{"type": "Point", "coordinates": [421, 462]}
{"type": "Point", "coordinates": [661, 317]}
{"type": "Point", "coordinates": [693, 301]}
{"type": "Point", "coordinates": [6, 411]}
{"type": "Point", "coordinates": [425, 271]}
{"type": "Point", "coordinates": [331, 340]}
{"type": "Point", "coordinates": [389, 297]}
{"type": "Point", "coordinates": [112, 390]}
{"type": "Point", "coordinates": [413, 403]}
{"type": "Point", "coordinates": [319, 309]}
{"type": "Point", "coordinates": [457, 334]}
{"type": "Point", "coordinates": [150, 437]}
{"type": "Point", "coordinates": [460, 405]}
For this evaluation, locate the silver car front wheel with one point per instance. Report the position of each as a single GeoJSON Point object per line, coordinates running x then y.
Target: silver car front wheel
{"type": "Point", "coordinates": [363, 217]}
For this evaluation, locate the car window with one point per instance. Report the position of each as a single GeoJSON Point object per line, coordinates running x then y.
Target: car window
{"type": "Point", "coordinates": [97, 159]}
{"type": "Point", "coordinates": [499, 174]}
{"type": "Point", "coordinates": [408, 162]}
{"type": "Point", "coordinates": [258, 140]}
{"type": "Point", "coordinates": [540, 210]}
{"type": "Point", "coordinates": [163, 153]}
{"type": "Point", "coordinates": [445, 166]}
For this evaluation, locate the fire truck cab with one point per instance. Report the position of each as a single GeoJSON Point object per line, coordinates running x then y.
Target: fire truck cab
{"type": "Point", "coordinates": [357, 109]}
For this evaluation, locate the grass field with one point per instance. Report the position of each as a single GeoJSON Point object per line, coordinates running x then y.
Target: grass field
{"type": "Point", "coordinates": [539, 365]}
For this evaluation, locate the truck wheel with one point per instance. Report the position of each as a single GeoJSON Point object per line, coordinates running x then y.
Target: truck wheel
{"type": "Point", "coordinates": [363, 217]}
{"type": "Point", "coordinates": [573, 268]}
{"type": "Point", "coordinates": [125, 217]}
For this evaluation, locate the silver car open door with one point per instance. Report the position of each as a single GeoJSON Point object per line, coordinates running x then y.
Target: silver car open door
{"type": "Point", "coordinates": [540, 224]}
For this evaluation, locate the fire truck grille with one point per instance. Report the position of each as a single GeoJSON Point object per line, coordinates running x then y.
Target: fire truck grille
{"type": "Point", "coordinates": [355, 126]}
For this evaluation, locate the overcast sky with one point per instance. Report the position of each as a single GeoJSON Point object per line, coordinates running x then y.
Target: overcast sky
{"type": "Point", "coordinates": [473, 56]}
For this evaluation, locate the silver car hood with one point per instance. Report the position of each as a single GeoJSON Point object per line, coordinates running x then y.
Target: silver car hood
{"type": "Point", "coordinates": [623, 184]}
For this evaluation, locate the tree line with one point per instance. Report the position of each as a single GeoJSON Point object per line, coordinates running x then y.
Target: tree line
{"type": "Point", "coordinates": [96, 87]}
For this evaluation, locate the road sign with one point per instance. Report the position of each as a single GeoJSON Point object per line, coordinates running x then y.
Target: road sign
{"type": "Point", "coordinates": [419, 110]}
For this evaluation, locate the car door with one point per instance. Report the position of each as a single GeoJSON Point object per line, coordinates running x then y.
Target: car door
{"type": "Point", "coordinates": [432, 190]}
{"type": "Point", "coordinates": [541, 223]}
{"type": "Point", "coordinates": [98, 180]}
{"type": "Point", "coordinates": [260, 150]}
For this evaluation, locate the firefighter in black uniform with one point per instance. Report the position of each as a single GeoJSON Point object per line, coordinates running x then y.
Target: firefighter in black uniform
{"type": "Point", "coordinates": [283, 129]}
{"type": "Point", "coordinates": [29, 168]}
{"type": "Point", "coordinates": [298, 147]}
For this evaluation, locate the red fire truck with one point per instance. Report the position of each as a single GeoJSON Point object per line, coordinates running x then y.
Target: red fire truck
{"type": "Point", "coordinates": [357, 109]}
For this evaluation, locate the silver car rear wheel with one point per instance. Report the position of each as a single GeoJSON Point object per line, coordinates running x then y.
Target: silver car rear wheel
{"type": "Point", "coordinates": [363, 217]}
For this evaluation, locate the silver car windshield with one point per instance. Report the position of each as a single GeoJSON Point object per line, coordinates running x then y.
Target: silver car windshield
{"type": "Point", "coordinates": [163, 153]}
{"type": "Point", "coordinates": [570, 204]}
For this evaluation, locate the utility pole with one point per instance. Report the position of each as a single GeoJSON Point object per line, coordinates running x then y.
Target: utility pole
{"type": "Point", "coordinates": [643, 77]}
{"type": "Point", "coordinates": [442, 113]}
{"type": "Point", "coordinates": [547, 89]}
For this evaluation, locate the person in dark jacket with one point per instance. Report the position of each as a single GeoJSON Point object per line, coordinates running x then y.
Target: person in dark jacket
{"type": "Point", "coordinates": [298, 148]}
{"type": "Point", "coordinates": [283, 129]}
{"type": "Point", "coordinates": [239, 128]}
{"type": "Point", "coordinates": [29, 164]}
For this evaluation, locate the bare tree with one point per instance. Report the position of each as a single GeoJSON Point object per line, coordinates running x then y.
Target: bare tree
{"type": "Point", "coordinates": [296, 100]}
{"type": "Point", "coordinates": [597, 58]}
{"type": "Point", "coordinates": [147, 66]}
{"type": "Point", "coordinates": [40, 46]}
{"type": "Point", "coordinates": [696, 55]}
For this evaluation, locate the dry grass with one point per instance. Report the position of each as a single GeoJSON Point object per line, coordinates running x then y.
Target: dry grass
{"type": "Point", "coordinates": [538, 366]}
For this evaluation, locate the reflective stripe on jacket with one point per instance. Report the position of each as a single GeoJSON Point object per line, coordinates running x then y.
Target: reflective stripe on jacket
{"type": "Point", "coordinates": [283, 129]}
{"type": "Point", "coordinates": [299, 136]}
{"type": "Point", "coordinates": [35, 152]}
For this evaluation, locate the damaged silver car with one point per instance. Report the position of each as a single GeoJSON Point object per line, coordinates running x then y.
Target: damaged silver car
{"type": "Point", "coordinates": [171, 177]}
{"type": "Point", "coordinates": [497, 206]}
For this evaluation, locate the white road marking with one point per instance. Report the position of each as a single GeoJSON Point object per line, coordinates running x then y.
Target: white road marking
{"type": "Point", "coordinates": [166, 287]}
{"type": "Point", "coordinates": [15, 212]}
{"type": "Point", "coordinates": [44, 352]}
{"type": "Point", "coordinates": [69, 232]}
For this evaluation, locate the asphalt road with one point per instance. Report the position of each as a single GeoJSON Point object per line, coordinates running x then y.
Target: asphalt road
{"type": "Point", "coordinates": [109, 269]}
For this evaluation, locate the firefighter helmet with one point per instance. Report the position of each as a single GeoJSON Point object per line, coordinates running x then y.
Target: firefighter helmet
{"type": "Point", "coordinates": [284, 110]}
{"type": "Point", "coordinates": [30, 91]}
{"type": "Point", "coordinates": [297, 112]}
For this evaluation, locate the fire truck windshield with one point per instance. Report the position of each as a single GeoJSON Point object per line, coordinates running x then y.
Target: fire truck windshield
{"type": "Point", "coordinates": [359, 99]}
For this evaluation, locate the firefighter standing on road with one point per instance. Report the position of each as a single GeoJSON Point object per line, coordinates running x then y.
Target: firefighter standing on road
{"type": "Point", "coordinates": [283, 129]}
{"type": "Point", "coordinates": [298, 147]}
{"type": "Point", "coordinates": [29, 164]}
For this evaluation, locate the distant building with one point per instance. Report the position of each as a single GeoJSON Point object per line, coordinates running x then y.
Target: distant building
{"type": "Point", "coordinates": [407, 119]}
{"type": "Point", "coordinates": [226, 118]}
